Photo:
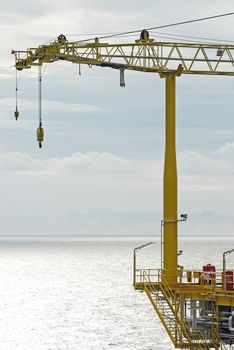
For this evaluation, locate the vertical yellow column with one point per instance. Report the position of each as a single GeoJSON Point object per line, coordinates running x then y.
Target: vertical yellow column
{"type": "Point", "coordinates": [170, 186]}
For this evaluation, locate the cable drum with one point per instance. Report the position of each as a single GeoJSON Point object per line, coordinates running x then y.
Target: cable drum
{"type": "Point", "coordinates": [62, 39]}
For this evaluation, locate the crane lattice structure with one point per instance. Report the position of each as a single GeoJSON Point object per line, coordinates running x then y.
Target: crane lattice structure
{"type": "Point", "coordinates": [195, 307]}
{"type": "Point", "coordinates": [145, 54]}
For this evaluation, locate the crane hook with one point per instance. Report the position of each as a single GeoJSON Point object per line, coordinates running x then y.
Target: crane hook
{"type": "Point", "coordinates": [40, 135]}
{"type": "Point", "coordinates": [16, 113]}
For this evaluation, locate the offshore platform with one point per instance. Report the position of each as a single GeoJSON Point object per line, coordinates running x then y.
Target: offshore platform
{"type": "Point", "coordinates": [196, 307]}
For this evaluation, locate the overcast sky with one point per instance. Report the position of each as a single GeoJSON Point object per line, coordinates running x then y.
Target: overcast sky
{"type": "Point", "coordinates": [101, 165]}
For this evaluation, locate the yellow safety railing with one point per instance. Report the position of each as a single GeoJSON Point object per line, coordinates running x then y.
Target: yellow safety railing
{"type": "Point", "coordinates": [178, 330]}
{"type": "Point", "coordinates": [210, 280]}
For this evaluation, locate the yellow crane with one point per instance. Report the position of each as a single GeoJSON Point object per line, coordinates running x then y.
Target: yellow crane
{"type": "Point", "coordinates": [208, 294]}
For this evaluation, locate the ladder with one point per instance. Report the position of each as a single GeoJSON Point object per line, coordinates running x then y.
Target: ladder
{"type": "Point", "coordinates": [168, 309]}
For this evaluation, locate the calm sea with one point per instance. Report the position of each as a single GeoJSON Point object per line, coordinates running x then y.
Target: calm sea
{"type": "Point", "coordinates": [78, 295]}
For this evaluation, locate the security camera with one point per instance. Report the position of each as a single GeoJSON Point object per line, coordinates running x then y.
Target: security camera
{"type": "Point", "coordinates": [184, 216]}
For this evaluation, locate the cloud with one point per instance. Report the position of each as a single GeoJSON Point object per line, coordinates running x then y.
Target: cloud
{"type": "Point", "coordinates": [19, 162]}
{"type": "Point", "coordinates": [214, 165]}
{"type": "Point", "coordinates": [226, 132]}
{"type": "Point", "coordinates": [227, 150]}
{"type": "Point", "coordinates": [218, 163]}
{"type": "Point", "coordinates": [196, 163]}
{"type": "Point", "coordinates": [78, 162]}
{"type": "Point", "coordinates": [207, 171]}
{"type": "Point", "coordinates": [197, 171]}
{"type": "Point", "coordinates": [6, 73]}
{"type": "Point", "coordinates": [100, 192]}
{"type": "Point", "coordinates": [89, 162]}
{"type": "Point", "coordinates": [50, 105]}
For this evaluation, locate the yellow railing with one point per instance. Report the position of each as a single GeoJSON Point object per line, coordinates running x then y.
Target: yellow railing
{"type": "Point", "coordinates": [152, 273]}
{"type": "Point", "coordinates": [178, 330]}
{"type": "Point", "coordinates": [168, 308]}
{"type": "Point", "coordinates": [210, 280]}
{"type": "Point", "coordinates": [196, 336]}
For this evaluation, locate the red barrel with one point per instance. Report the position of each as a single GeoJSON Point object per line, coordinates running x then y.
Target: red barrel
{"type": "Point", "coordinates": [229, 280]}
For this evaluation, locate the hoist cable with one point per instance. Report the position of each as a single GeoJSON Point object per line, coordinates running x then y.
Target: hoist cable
{"type": "Point", "coordinates": [16, 114]}
{"type": "Point", "coordinates": [192, 21]}
{"type": "Point", "coordinates": [161, 26]}
{"type": "Point", "coordinates": [119, 34]}
{"type": "Point", "coordinates": [216, 40]}
{"type": "Point", "coordinates": [44, 70]}
{"type": "Point", "coordinates": [156, 34]}
{"type": "Point", "coordinates": [16, 88]}
{"type": "Point", "coordinates": [39, 96]}
{"type": "Point", "coordinates": [40, 130]}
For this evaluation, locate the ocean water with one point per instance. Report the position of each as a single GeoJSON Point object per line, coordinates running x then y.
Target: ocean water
{"type": "Point", "coordinates": [78, 295]}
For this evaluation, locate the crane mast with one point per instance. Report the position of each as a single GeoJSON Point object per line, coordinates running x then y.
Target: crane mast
{"type": "Point", "coordinates": [170, 60]}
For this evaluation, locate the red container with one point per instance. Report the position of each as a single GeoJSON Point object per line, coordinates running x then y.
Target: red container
{"type": "Point", "coordinates": [229, 280]}
{"type": "Point", "coordinates": [208, 268]}
{"type": "Point", "coordinates": [208, 277]}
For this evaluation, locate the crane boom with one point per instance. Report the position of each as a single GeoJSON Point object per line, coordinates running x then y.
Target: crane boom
{"type": "Point", "coordinates": [144, 54]}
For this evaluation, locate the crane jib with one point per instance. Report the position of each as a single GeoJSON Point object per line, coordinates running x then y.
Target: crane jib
{"type": "Point", "coordinates": [146, 55]}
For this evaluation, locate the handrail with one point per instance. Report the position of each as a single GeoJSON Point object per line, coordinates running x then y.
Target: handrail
{"type": "Point", "coordinates": [208, 279]}
{"type": "Point", "coordinates": [154, 280]}
{"type": "Point", "coordinates": [184, 327]}
{"type": "Point", "coordinates": [197, 335]}
{"type": "Point", "coordinates": [193, 336]}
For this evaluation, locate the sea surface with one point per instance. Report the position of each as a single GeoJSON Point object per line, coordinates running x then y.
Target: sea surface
{"type": "Point", "coordinates": [69, 294]}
